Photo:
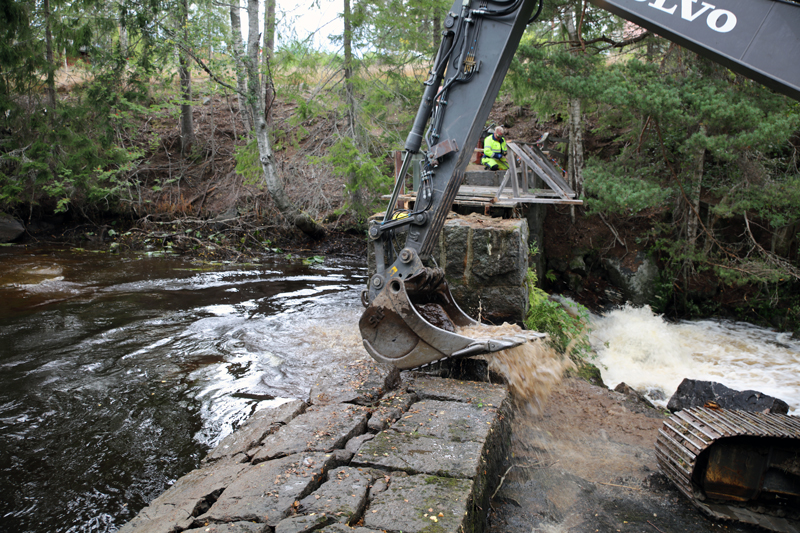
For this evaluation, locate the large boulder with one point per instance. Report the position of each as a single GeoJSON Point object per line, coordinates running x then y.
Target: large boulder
{"type": "Point", "coordinates": [10, 228]}
{"type": "Point", "coordinates": [695, 393]}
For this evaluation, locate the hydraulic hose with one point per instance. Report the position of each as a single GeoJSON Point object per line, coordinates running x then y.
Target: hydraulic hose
{"type": "Point", "coordinates": [414, 139]}
{"type": "Point", "coordinates": [538, 12]}
{"type": "Point", "coordinates": [510, 9]}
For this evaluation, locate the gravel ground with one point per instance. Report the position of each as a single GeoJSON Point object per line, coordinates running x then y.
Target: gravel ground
{"type": "Point", "coordinates": [586, 463]}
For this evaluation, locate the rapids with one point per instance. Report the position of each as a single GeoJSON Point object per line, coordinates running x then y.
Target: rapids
{"type": "Point", "coordinates": [119, 373]}
{"type": "Point", "coordinates": [652, 355]}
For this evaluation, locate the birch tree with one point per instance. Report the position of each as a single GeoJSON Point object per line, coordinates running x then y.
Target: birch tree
{"type": "Point", "coordinates": [237, 50]}
{"type": "Point", "coordinates": [266, 156]}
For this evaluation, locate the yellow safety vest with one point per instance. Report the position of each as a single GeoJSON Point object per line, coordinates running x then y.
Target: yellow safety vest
{"type": "Point", "coordinates": [491, 147]}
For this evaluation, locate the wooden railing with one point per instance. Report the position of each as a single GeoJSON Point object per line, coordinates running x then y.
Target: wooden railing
{"type": "Point", "coordinates": [534, 163]}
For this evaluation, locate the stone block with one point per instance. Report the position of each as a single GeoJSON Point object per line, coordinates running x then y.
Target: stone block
{"type": "Point", "coordinates": [258, 426]}
{"type": "Point", "coordinates": [320, 428]}
{"type": "Point", "coordinates": [266, 492]}
{"type": "Point", "coordinates": [417, 454]}
{"type": "Point", "coordinates": [235, 527]}
{"type": "Point", "coordinates": [417, 504]}
{"type": "Point", "coordinates": [361, 382]}
{"type": "Point", "coordinates": [484, 178]}
{"type": "Point", "coordinates": [455, 252]}
{"type": "Point", "coordinates": [452, 421]}
{"type": "Point", "coordinates": [450, 390]}
{"type": "Point", "coordinates": [390, 408]}
{"type": "Point", "coordinates": [500, 304]}
{"type": "Point", "coordinates": [499, 251]}
{"type": "Point", "coordinates": [486, 264]}
{"type": "Point", "coordinates": [190, 496]}
{"type": "Point", "coordinates": [342, 498]}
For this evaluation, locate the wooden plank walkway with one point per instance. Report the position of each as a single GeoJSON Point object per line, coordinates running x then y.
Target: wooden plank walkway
{"type": "Point", "coordinates": [526, 162]}
{"type": "Point", "coordinates": [483, 196]}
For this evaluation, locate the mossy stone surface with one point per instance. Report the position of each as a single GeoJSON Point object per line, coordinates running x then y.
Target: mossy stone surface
{"type": "Point", "coordinates": [418, 454]}
{"type": "Point", "coordinates": [423, 504]}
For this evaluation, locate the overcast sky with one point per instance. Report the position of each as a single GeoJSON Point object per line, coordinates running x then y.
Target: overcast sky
{"type": "Point", "coordinates": [301, 19]}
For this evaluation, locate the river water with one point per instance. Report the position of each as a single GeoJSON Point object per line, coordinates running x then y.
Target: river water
{"type": "Point", "coordinates": [119, 373]}
{"type": "Point", "coordinates": [653, 356]}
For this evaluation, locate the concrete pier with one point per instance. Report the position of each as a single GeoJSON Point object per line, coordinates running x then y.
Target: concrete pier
{"type": "Point", "coordinates": [370, 451]}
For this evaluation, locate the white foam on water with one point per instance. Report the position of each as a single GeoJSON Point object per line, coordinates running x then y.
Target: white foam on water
{"type": "Point", "coordinates": [648, 353]}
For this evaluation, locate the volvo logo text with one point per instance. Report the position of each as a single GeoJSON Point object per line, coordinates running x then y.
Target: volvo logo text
{"type": "Point", "coordinates": [720, 20]}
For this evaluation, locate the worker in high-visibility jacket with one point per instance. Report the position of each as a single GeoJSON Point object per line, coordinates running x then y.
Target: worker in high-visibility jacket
{"type": "Point", "coordinates": [495, 150]}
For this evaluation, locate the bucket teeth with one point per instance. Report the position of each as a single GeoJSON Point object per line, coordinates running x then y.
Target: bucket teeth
{"type": "Point", "coordinates": [395, 332]}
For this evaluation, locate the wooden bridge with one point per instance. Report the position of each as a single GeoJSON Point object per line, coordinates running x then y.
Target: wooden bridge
{"type": "Point", "coordinates": [531, 178]}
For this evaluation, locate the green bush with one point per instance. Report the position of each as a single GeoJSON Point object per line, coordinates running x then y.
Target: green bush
{"type": "Point", "coordinates": [568, 331]}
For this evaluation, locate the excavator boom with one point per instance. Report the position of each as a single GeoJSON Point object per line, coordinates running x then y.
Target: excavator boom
{"type": "Point", "coordinates": [759, 39]}
{"type": "Point", "coordinates": [411, 320]}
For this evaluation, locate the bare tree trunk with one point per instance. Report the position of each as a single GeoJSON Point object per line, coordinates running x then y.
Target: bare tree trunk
{"type": "Point", "coordinates": [269, 28]}
{"type": "Point", "coordinates": [269, 50]}
{"type": "Point", "coordinates": [187, 124]}
{"type": "Point", "coordinates": [303, 222]}
{"type": "Point", "coordinates": [241, 78]}
{"type": "Point", "coordinates": [348, 70]}
{"type": "Point", "coordinates": [123, 34]}
{"type": "Point", "coordinates": [123, 41]}
{"type": "Point", "coordinates": [575, 154]}
{"type": "Point", "coordinates": [575, 163]}
{"type": "Point", "coordinates": [356, 195]}
{"type": "Point", "coordinates": [693, 212]}
{"type": "Point", "coordinates": [251, 63]}
{"type": "Point", "coordinates": [48, 38]}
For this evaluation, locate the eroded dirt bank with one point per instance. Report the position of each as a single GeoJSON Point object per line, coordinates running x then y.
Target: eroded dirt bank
{"type": "Point", "coordinates": [587, 464]}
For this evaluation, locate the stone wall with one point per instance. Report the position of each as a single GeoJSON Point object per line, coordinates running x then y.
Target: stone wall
{"type": "Point", "coordinates": [368, 453]}
{"type": "Point", "coordinates": [486, 262]}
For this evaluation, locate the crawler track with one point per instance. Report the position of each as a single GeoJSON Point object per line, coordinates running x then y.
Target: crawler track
{"type": "Point", "coordinates": [735, 465]}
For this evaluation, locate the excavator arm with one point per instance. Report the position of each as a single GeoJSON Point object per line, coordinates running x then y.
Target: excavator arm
{"type": "Point", "coordinates": [411, 319]}
{"type": "Point", "coordinates": [759, 39]}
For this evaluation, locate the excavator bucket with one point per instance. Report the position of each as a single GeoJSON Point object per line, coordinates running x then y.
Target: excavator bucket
{"type": "Point", "coordinates": [415, 322]}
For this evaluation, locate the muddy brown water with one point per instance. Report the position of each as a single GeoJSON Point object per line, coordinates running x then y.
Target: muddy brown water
{"type": "Point", "coordinates": [119, 373]}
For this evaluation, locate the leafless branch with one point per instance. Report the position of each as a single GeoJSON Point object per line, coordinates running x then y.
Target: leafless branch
{"type": "Point", "coordinates": [771, 258]}
{"type": "Point", "coordinates": [614, 231]}
{"type": "Point", "coordinates": [199, 61]}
